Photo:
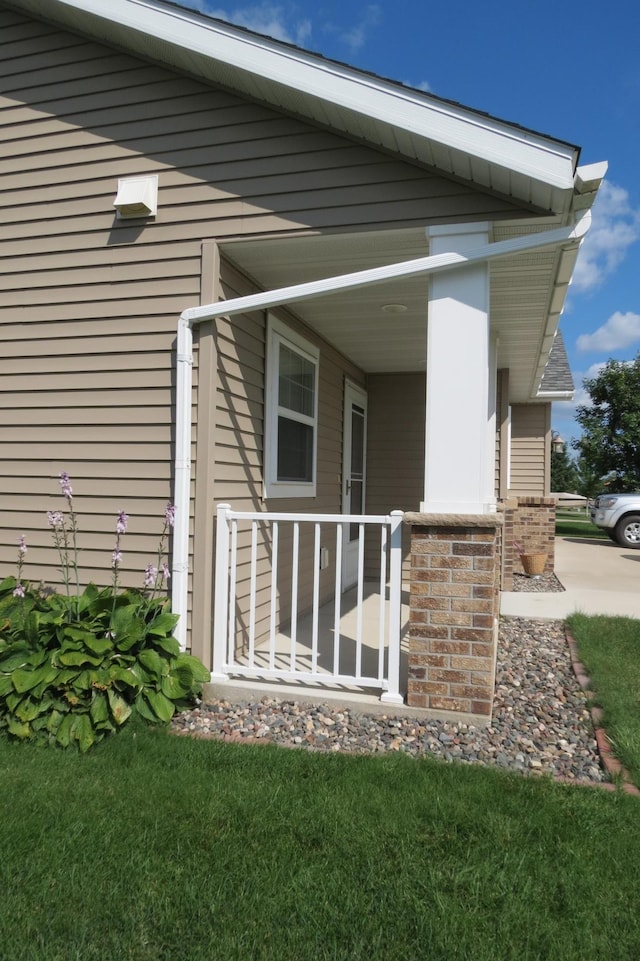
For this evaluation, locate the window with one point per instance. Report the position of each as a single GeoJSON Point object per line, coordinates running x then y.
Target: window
{"type": "Point", "coordinates": [291, 413]}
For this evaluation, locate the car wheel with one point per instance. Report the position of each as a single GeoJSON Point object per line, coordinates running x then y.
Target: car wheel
{"type": "Point", "coordinates": [628, 531]}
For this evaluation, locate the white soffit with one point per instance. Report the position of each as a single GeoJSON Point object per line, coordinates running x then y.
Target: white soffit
{"type": "Point", "coordinates": [528, 166]}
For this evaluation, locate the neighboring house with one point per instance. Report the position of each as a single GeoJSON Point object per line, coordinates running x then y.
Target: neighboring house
{"type": "Point", "coordinates": [275, 173]}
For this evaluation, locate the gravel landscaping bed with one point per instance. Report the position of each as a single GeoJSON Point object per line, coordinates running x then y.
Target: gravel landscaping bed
{"type": "Point", "coordinates": [541, 584]}
{"type": "Point", "coordinates": [540, 725]}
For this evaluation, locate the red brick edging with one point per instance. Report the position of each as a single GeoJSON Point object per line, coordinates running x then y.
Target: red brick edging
{"type": "Point", "coordinates": [612, 765]}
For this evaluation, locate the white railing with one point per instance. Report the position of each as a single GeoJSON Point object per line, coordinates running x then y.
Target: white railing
{"type": "Point", "coordinates": [241, 648]}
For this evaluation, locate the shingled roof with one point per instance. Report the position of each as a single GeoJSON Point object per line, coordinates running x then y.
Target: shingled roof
{"type": "Point", "coordinates": [557, 377]}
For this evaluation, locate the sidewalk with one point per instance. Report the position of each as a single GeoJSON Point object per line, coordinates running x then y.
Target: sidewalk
{"type": "Point", "coordinates": [598, 576]}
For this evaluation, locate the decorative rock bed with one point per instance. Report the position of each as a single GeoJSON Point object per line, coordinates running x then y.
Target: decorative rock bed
{"type": "Point", "coordinates": [541, 723]}
{"type": "Point", "coordinates": [541, 584]}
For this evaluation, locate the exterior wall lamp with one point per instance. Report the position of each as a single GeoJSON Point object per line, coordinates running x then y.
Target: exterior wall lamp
{"type": "Point", "coordinates": [557, 443]}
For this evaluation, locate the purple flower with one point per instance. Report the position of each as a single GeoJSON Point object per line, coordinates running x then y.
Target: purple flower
{"type": "Point", "coordinates": [166, 573]}
{"type": "Point", "coordinates": [22, 545]}
{"type": "Point", "coordinates": [121, 523]}
{"type": "Point", "coordinates": [18, 590]}
{"type": "Point", "coordinates": [170, 514]}
{"type": "Point", "coordinates": [116, 557]}
{"type": "Point", "coordinates": [150, 575]}
{"type": "Point", "coordinates": [55, 519]}
{"type": "Point", "coordinates": [65, 485]}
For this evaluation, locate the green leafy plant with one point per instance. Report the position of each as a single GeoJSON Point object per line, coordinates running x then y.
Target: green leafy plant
{"type": "Point", "coordinates": [75, 667]}
{"type": "Point", "coordinates": [74, 681]}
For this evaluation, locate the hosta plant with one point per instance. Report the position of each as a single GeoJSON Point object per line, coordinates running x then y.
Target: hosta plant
{"type": "Point", "coordinates": [73, 680]}
{"type": "Point", "coordinates": [75, 666]}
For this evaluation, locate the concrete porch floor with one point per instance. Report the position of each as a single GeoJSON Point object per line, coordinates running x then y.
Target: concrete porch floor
{"type": "Point", "coordinates": [367, 698]}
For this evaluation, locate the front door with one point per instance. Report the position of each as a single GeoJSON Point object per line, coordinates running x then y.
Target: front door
{"type": "Point", "coordinates": [353, 475]}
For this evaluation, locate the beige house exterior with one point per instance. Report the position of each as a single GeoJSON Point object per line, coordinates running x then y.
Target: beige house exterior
{"type": "Point", "coordinates": [278, 173]}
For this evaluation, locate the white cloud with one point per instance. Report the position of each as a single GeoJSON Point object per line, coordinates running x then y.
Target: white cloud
{"type": "Point", "coordinates": [594, 370]}
{"type": "Point", "coordinates": [270, 19]}
{"type": "Point", "coordinates": [616, 225]}
{"type": "Point", "coordinates": [283, 22]}
{"type": "Point", "coordinates": [620, 331]}
{"type": "Point", "coordinates": [423, 85]}
{"type": "Point", "coordinates": [564, 412]}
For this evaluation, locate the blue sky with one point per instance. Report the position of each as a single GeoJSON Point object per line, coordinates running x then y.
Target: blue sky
{"type": "Point", "coordinates": [564, 69]}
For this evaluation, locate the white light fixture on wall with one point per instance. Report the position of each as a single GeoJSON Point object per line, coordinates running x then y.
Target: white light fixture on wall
{"type": "Point", "coordinates": [137, 197]}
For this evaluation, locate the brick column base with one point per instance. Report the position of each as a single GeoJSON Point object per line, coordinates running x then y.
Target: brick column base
{"type": "Point", "coordinates": [530, 521]}
{"type": "Point", "coordinates": [453, 613]}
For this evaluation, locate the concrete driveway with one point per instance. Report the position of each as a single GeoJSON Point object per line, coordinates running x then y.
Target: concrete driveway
{"type": "Point", "coordinates": [598, 576]}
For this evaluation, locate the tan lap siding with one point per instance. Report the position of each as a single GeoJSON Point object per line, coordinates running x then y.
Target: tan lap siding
{"type": "Point", "coordinates": [89, 304]}
{"type": "Point", "coordinates": [395, 449]}
{"type": "Point", "coordinates": [530, 449]}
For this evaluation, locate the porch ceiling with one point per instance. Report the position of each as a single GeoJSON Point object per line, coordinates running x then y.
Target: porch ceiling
{"type": "Point", "coordinates": [524, 292]}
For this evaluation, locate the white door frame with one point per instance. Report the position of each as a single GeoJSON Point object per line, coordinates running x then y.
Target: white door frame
{"type": "Point", "coordinates": [354, 396]}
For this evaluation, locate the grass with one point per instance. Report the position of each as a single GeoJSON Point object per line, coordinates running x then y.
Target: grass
{"type": "Point", "coordinates": [610, 650]}
{"type": "Point", "coordinates": [576, 527]}
{"type": "Point", "coordinates": [171, 849]}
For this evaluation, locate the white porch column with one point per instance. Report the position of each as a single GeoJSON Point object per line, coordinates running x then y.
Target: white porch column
{"type": "Point", "coordinates": [461, 381]}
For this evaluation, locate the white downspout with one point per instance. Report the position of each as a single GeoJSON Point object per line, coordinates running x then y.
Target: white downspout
{"type": "Point", "coordinates": [182, 482]}
{"type": "Point", "coordinates": [197, 315]}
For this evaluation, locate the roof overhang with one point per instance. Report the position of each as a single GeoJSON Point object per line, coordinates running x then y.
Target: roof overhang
{"type": "Point", "coordinates": [537, 173]}
{"type": "Point", "coordinates": [526, 166]}
{"type": "Point", "coordinates": [347, 309]}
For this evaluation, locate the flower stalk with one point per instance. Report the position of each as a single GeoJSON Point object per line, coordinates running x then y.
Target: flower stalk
{"type": "Point", "coordinates": [22, 550]}
{"type": "Point", "coordinates": [156, 575]}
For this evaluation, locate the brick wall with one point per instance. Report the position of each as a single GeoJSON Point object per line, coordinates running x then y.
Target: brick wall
{"type": "Point", "coordinates": [453, 611]}
{"type": "Point", "coordinates": [530, 521]}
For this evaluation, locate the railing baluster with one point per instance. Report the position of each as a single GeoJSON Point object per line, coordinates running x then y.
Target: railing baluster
{"type": "Point", "coordinates": [360, 599]}
{"type": "Point", "coordinates": [392, 694]}
{"type": "Point", "coordinates": [336, 601]}
{"type": "Point", "coordinates": [316, 598]}
{"type": "Point", "coordinates": [294, 594]}
{"type": "Point", "coordinates": [252, 592]}
{"type": "Point", "coordinates": [232, 592]}
{"type": "Point", "coordinates": [221, 603]}
{"type": "Point", "coordinates": [384, 532]}
{"type": "Point", "coordinates": [274, 596]}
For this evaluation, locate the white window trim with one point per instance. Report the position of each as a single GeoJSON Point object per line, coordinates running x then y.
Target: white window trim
{"type": "Point", "coordinates": [278, 333]}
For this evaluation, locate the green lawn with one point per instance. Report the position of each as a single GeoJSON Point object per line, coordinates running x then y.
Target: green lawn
{"type": "Point", "coordinates": [578, 527]}
{"type": "Point", "coordinates": [610, 650]}
{"type": "Point", "coordinates": [159, 848]}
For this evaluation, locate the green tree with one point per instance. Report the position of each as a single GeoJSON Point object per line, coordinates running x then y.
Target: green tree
{"type": "Point", "coordinates": [610, 442]}
{"type": "Point", "coordinates": [589, 481]}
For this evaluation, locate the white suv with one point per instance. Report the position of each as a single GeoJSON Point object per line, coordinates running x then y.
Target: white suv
{"type": "Point", "coordinates": [619, 516]}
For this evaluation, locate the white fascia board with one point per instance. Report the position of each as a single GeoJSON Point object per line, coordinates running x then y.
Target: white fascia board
{"type": "Point", "coordinates": [497, 142]}
{"type": "Point", "coordinates": [564, 273]}
{"type": "Point", "coordinates": [590, 176]}
{"type": "Point", "coordinates": [547, 395]}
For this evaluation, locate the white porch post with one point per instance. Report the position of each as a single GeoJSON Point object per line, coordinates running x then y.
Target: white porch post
{"type": "Point", "coordinates": [459, 447]}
